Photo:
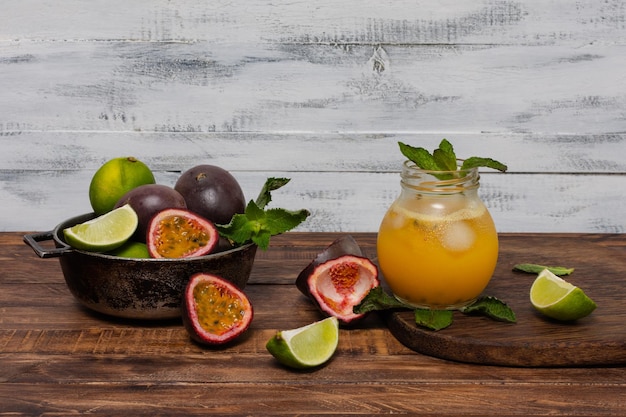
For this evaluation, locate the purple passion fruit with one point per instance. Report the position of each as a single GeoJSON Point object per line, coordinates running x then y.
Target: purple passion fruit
{"type": "Point", "coordinates": [345, 245]}
{"type": "Point", "coordinates": [339, 284]}
{"type": "Point", "coordinates": [179, 233]}
{"type": "Point", "coordinates": [212, 192]}
{"type": "Point", "coordinates": [147, 200]}
{"type": "Point", "coordinates": [214, 310]}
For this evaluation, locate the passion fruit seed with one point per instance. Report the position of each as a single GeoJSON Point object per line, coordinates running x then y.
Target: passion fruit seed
{"type": "Point", "coordinates": [217, 310]}
{"type": "Point", "coordinates": [344, 276]}
{"type": "Point", "coordinates": [179, 233]}
{"type": "Point", "coordinates": [214, 310]}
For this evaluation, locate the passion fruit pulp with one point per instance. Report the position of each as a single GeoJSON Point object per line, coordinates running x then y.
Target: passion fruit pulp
{"type": "Point", "coordinates": [214, 310]}
{"type": "Point", "coordinates": [180, 233]}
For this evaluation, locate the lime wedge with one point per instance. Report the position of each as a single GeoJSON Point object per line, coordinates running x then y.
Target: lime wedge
{"type": "Point", "coordinates": [558, 299]}
{"type": "Point", "coordinates": [104, 233]}
{"type": "Point", "coordinates": [308, 346]}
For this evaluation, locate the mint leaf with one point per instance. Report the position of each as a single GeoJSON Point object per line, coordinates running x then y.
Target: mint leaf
{"type": "Point", "coordinates": [239, 231]}
{"type": "Point", "coordinates": [279, 220]}
{"type": "Point", "coordinates": [475, 162]}
{"type": "Point", "coordinates": [433, 319]}
{"type": "Point", "coordinates": [270, 185]}
{"type": "Point", "coordinates": [444, 159]}
{"type": "Point", "coordinates": [420, 156]}
{"type": "Point", "coordinates": [258, 225]}
{"type": "Point", "coordinates": [444, 156]}
{"type": "Point", "coordinates": [535, 269]}
{"type": "Point", "coordinates": [377, 299]}
{"type": "Point", "coordinates": [492, 308]}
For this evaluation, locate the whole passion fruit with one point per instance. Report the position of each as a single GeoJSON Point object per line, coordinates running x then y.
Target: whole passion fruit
{"type": "Point", "coordinates": [214, 310]}
{"type": "Point", "coordinates": [338, 279]}
{"type": "Point", "coordinates": [147, 200]}
{"type": "Point", "coordinates": [180, 233]}
{"type": "Point", "coordinates": [212, 192]}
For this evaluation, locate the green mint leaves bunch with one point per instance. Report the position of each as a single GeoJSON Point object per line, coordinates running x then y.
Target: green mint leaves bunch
{"type": "Point", "coordinates": [444, 159]}
{"type": "Point", "coordinates": [257, 224]}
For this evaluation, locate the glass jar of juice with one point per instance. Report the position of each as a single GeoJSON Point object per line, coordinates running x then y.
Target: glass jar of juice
{"type": "Point", "coordinates": [437, 244]}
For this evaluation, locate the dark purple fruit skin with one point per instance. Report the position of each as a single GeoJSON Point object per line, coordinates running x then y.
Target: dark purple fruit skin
{"type": "Point", "coordinates": [147, 200]}
{"type": "Point", "coordinates": [345, 245]}
{"type": "Point", "coordinates": [211, 192]}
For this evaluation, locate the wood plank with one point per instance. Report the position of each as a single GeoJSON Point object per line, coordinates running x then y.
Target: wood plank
{"type": "Point", "coordinates": [171, 87]}
{"type": "Point", "coordinates": [348, 201]}
{"type": "Point", "coordinates": [401, 21]}
{"type": "Point", "coordinates": [174, 152]}
{"type": "Point", "coordinates": [306, 398]}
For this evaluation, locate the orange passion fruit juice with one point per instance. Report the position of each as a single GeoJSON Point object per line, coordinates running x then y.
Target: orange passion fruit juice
{"type": "Point", "coordinates": [437, 244]}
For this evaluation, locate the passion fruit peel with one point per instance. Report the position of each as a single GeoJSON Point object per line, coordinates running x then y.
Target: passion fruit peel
{"type": "Point", "coordinates": [338, 279]}
{"type": "Point", "coordinates": [214, 311]}
{"type": "Point", "coordinates": [180, 233]}
{"type": "Point", "coordinates": [345, 245]}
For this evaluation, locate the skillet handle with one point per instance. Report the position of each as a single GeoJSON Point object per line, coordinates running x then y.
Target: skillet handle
{"type": "Point", "coordinates": [33, 239]}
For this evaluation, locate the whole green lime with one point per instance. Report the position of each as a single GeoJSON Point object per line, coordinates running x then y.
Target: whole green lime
{"type": "Point", "coordinates": [114, 179]}
{"type": "Point", "coordinates": [135, 250]}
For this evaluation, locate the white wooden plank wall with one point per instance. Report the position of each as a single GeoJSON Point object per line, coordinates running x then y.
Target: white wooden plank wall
{"type": "Point", "coordinates": [320, 92]}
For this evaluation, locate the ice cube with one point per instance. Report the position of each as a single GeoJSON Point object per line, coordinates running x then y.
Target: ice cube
{"type": "Point", "coordinates": [458, 236]}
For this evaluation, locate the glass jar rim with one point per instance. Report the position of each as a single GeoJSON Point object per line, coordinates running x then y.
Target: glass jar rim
{"type": "Point", "coordinates": [437, 181]}
{"type": "Point", "coordinates": [408, 164]}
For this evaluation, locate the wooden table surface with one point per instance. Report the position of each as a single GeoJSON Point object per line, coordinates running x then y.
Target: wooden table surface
{"type": "Point", "coordinates": [56, 358]}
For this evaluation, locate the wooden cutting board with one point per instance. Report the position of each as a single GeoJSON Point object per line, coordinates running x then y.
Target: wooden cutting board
{"type": "Point", "coordinates": [535, 341]}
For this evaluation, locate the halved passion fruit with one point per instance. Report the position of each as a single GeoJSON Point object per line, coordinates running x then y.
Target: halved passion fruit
{"type": "Point", "coordinates": [180, 233]}
{"type": "Point", "coordinates": [338, 279]}
{"type": "Point", "coordinates": [214, 310]}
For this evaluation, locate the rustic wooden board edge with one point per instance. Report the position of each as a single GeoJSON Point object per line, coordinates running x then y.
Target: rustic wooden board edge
{"type": "Point", "coordinates": [438, 345]}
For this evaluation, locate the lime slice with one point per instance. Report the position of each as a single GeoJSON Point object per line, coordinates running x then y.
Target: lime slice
{"type": "Point", "coordinates": [558, 299]}
{"type": "Point", "coordinates": [104, 233]}
{"type": "Point", "coordinates": [307, 346]}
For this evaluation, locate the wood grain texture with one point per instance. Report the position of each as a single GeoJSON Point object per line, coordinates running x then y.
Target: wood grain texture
{"type": "Point", "coordinates": [58, 358]}
{"type": "Point", "coordinates": [316, 92]}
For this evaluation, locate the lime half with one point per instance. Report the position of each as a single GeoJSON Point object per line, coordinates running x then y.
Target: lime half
{"type": "Point", "coordinates": [104, 233]}
{"type": "Point", "coordinates": [307, 346]}
{"type": "Point", "coordinates": [558, 299]}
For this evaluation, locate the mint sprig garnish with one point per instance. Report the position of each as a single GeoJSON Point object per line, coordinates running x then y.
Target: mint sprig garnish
{"type": "Point", "coordinates": [444, 158]}
{"type": "Point", "coordinates": [258, 224]}
{"type": "Point", "coordinates": [378, 300]}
